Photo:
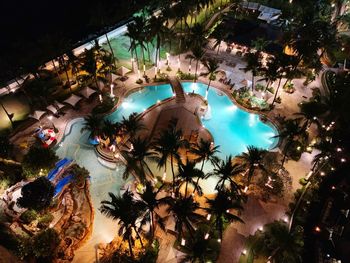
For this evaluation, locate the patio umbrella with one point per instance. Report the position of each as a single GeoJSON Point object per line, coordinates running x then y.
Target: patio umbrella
{"type": "Point", "coordinates": [59, 105]}
{"type": "Point", "coordinates": [73, 100]}
{"type": "Point", "coordinates": [114, 77]}
{"type": "Point", "coordinates": [87, 92]}
{"type": "Point", "coordinates": [123, 71]}
{"type": "Point", "coordinates": [52, 108]}
{"type": "Point", "coordinates": [246, 83]}
{"type": "Point", "coordinates": [37, 114]}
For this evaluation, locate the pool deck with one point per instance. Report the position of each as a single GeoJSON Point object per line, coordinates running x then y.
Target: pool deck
{"type": "Point", "coordinates": [235, 234]}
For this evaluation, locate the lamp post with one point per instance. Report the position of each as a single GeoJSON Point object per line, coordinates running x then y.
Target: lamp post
{"type": "Point", "coordinates": [9, 115]}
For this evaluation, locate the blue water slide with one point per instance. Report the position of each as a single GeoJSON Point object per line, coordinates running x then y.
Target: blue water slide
{"type": "Point", "coordinates": [59, 165]}
{"type": "Point", "coordinates": [61, 183]}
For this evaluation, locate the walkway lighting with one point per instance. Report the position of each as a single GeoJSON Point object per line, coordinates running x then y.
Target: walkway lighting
{"type": "Point", "coordinates": [317, 229]}
{"type": "Point", "coordinates": [338, 149]}
{"type": "Point", "coordinates": [244, 252]}
{"type": "Point", "coordinates": [285, 219]}
{"type": "Point", "coordinates": [322, 173]}
{"type": "Point", "coordinates": [261, 228]}
{"type": "Point", "coordinates": [208, 217]}
{"type": "Point", "coordinates": [183, 242]}
{"type": "Point", "coordinates": [343, 160]}
{"type": "Point", "coordinates": [219, 240]}
{"type": "Point", "coordinates": [206, 236]}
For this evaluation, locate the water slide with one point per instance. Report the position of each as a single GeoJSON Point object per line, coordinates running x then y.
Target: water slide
{"type": "Point", "coordinates": [59, 165]}
{"type": "Point", "coordinates": [61, 183]}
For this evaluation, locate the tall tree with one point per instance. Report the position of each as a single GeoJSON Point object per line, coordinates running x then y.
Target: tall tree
{"type": "Point", "coordinates": [212, 69]}
{"type": "Point", "coordinates": [184, 212]}
{"type": "Point", "coordinates": [127, 211]}
{"type": "Point", "coordinates": [221, 209]}
{"type": "Point", "coordinates": [225, 170]}
{"type": "Point", "coordinates": [252, 159]}
{"type": "Point", "coordinates": [168, 144]}
{"type": "Point", "coordinates": [187, 174]}
{"type": "Point", "coordinates": [197, 54]}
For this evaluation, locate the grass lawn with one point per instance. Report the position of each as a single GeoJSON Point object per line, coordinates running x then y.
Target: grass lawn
{"type": "Point", "coordinates": [121, 45]}
{"type": "Point", "coordinates": [16, 104]}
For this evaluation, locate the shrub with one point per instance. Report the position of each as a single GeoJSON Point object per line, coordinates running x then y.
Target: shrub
{"type": "Point", "coordinates": [45, 243]}
{"type": "Point", "coordinates": [79, 174]}
{"type": "Point", "coordinates": [37, 195]}
{"type": "Point", "coordinates": [37, 159]}
{"type": "Point", "coordinates": [29, 216]}
{"type": "Point", "coordinates": [185, 76]}
{"type": "Point", "coordinates": [139, 81]}
{"type": "Point", "coordinates": [45, 220]}
{"type": "Point", "coordinates": [106, 105]}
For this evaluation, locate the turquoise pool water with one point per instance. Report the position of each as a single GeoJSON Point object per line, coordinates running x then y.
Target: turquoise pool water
{"type": "Point", "coordinates": [140, 100]}
{"type": "Point", "coordinates": [232, 128]}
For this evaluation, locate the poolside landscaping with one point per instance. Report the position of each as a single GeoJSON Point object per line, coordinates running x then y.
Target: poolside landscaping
{"type": "Point", "coordinates": [200, 150]}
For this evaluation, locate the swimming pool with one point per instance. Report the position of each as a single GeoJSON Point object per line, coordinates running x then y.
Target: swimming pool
{"type": "Point", "coordinates": [139, 101]}
{"type": "Point", "coordinates": [232, 128]}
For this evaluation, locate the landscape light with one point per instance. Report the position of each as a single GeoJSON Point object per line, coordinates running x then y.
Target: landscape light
{"type": "Point", "coordinates": [206, 236]}
{"type": "Point", "coordinates": [244, 252]}
{"type": "Point", "coordinates": [317, 229]}
{"type": "Point", "coordinates": [183, 242]}
{"type": "Point", "coordinates": [219, 240]}
{"type": "Point", "coordinates": [343, 160]}
{"type": "Point", "coordinates": [208, 217]}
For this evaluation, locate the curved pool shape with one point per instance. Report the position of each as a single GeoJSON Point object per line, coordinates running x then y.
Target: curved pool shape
{"type": "Point", "coordinates": [232, 128]}
{"type": "Point", "coordinates": [139, 101]}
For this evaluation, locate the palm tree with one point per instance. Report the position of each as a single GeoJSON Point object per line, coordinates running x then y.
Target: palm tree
{"type": "Point", "coordinates": [252, 159]}
{"type": "Point", "coordinates": [151, 203]}
{"type": "Point", "coordinates": [158, 30]}
{"type": "Point", "coordinates": [197, 54]}
{"type": "Point", "coordinates": [201, 248]}
{"type": "Point", "coordinates": [278, 243]}
{"type": "Point", "coordinates": [205, 151]}
{"type": "Point", "coordinates": [290, 133]}
{"type": "Point", "coordinates": [310, 111]}
{"type": "Point", "coordinates": [132, 34]}
{"type": "Point", "coordinates": [212, 69]}
{"type": "Point", "coordinates": [132, 124]}
{"type": "Point", "coordinates": [187, 173]}
{"type": "Point", "coordinates": [93, 124]}
{"type": "Point", "coordinates": [225, 170]}
{"type": "Point", "coordinates": [219, 34]}
{"type": "Point", "coordinates": [183, 210]}
{"type": "Point", "coordinates": [89, 64]}
{"type": "Point", "coordinates": [197, 36]}
{"type": "Point", "coordinates": [220, 208]}
{"type": "Point", "coordinates": [139, 153]}
{"type": "Point", "coordinates": [253, 60]}
{"type": "Point", "coordinates": [109, 129]}
{"type": "Point", "coordinates": [119, 208]}
{"type": "Point", "coordinates": [167, 144]}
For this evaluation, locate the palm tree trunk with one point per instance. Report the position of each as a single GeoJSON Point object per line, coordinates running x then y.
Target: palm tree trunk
{"type": "Point", "coordinates": [286, 148]}
{"type": "Point", "coordinates": [152, 225]}
{"type": "Point", "coordinates": [112, 52]}
{"type": "Point", "coordinates": [149, 54]}
{"type": "Point", "coordinates": [67, 75]}
{"type": "Point", "coordinates": [138, 236]}
{"type": "Point", "coordinates": [278, 87]}
{"type": "Point", "coordinates": [217, 52]}
{"type": "Point", "coordinates": [130, 248]}
{"type": "Point", "coordinates": [56, 71]}
{"type": "Point", "coordinates": [197, 182]}
{"type": "Point", "coordinates": [252, 82]}
{"type": "Point", "coordinates": [186, 189]}
{"type": "Point", "coordinates": [195, 73]}
{"type": "Point", "coordinates": [172, 170]}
